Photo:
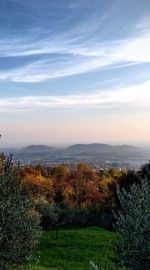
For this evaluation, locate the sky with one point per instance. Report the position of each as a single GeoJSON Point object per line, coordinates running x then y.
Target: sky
{"type": "Point", "coordinates": [74, 71]}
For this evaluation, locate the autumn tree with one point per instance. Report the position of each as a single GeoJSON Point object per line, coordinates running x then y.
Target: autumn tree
{"type": "Point", "coordinates": [37, 184]}
{"type": "Point", "coordinates": [84, 184]}
{"type": "Point", "coordinates": [60, 183]}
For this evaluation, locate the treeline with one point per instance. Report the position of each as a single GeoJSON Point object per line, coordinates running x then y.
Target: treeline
{"type": "Point", "coordinates": [78, 196]}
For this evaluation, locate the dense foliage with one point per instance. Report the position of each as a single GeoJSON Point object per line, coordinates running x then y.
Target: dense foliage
{"type": "Point", "coordinates": [133, 225]}
{"type": "Point", "coordinates": [85, 196]}
{"type": "Point", "coordinates": [19, 229]}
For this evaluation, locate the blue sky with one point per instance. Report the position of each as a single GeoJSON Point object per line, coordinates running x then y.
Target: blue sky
{"type": "Point", "coordinates": [74, 71]}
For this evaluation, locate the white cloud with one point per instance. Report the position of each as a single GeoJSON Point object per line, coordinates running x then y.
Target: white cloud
{"type": "Point", "coordinates": [133, 96]}
{"type": "Point", "coordinates": [66, 56]}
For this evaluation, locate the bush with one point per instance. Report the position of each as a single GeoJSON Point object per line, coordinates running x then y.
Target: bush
{"type": "Point", "coordinates": [19, 223]}
{"type": "Point", "coordinates": [50, 214]}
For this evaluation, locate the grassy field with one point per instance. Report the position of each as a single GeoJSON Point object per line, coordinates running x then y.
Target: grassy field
{"type": "Point", "coordinates": [73, 250]}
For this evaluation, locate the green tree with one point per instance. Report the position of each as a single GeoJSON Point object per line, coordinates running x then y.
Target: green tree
{"type": "Point", "coordinates": [77, 217]}
{"type": "Point", "coordinates": [145, 172]}
{"type": "Point", "coordinates": [133, 224]}
{"type": "Point", "coordinates": [19, 223]}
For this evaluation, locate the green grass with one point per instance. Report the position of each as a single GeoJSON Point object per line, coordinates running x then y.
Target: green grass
{"type": "Point", "coordinates": [73, 250]}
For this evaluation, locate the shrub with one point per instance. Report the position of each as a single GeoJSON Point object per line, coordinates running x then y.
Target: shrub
{"type": "Point", "coordinates": [50, 214]}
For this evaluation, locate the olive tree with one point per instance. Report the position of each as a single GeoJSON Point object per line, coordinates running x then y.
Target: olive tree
{"type": "Point", "coordinates": [19, 222]}
{"type": "Point", "coordinates": [132, 246]}
{"type": "Point", "coordinates": [133, 225]}
{"type": "Point", "coordinates": [51, 215]}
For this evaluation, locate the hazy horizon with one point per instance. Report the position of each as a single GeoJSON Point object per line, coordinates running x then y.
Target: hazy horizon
{"type": "Point", "coordinates": [64, 145]}
{"type": "Point", "coordinates": [74, 72]}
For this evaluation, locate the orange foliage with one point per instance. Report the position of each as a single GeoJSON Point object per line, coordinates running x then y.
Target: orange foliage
{"type": "Point", "coordinates": [80, 186]}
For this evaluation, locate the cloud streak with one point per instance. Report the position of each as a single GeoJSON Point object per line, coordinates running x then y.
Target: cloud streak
{"type": "Point", "coordinates": [69, 59]}
{"type": "Point", "coordinates": [60, 40]}
{"type": "Point", "coordinates": [133, 96]}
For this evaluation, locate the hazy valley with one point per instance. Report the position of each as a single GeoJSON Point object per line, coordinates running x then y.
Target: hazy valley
{"type": "Point", "coordinates": [96, 155]}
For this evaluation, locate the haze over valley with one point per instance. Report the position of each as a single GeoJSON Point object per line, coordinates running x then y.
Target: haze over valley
{"type": "Point", "coordinates": [96, 155]}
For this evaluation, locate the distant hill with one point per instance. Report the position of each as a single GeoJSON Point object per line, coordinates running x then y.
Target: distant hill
{"type": "Point", "coordinates": [94, 147]}
{"type": "Point", "coordinates": [37, 149]}
{"type": "Point", "coordinates": [102, 148]}
{"type": "Point", "coordinates": [128, 148]}
{"type": "Point", "coordinates": [95, 153]}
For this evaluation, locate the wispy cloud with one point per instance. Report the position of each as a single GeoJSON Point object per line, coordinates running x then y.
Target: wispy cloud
{"type": "Point", "coordinates": [65, 57]}
{"type": "Point", "coordinates": [71, 39]}
{"type": "Point", "coordinates": [134, 96]}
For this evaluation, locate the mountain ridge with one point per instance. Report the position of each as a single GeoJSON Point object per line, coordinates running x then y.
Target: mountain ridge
{"type": "Point", "coordinates": [100, 147]}
{"type": "Point", "coordinates": [97, 147]}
